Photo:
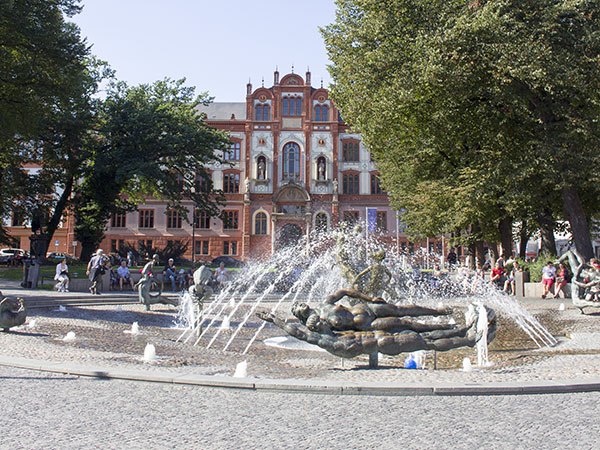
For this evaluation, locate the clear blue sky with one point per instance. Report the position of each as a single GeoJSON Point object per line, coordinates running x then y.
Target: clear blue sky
{"type": "Point", "coordinates": [216, 45]}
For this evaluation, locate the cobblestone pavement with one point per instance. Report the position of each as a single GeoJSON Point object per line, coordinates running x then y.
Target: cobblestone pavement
{"type": "Point", "coordinates": [49, 411]}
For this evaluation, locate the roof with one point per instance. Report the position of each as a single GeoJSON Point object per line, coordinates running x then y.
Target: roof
{"type": "Point", "coordinates": [224, 111]}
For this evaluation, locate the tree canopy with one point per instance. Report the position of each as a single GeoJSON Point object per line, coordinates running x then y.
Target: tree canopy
{"type": "Point", "coordinates": [478, 113]}
{"type": "Point", "coordinates": [150, 142]}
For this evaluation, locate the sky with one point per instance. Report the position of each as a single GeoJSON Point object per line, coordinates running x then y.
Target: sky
{"type": "Point", "coordinates": [217, 45]}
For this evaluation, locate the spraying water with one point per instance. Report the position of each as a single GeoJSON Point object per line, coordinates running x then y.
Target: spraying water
{"type": "Point", "coordinates": [149, 353]}
{"type": "Point", "coordinates": [313, 269]}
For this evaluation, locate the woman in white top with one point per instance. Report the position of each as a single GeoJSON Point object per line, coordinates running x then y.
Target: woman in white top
{"type": "Point", "coordinates": [62, 276]}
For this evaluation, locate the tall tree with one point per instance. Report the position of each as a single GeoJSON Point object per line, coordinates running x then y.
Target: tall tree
{"type": "Point", "coordinates": [43, 71]}
{"type": "Point", "coordinates": [151, 142]}
{"type": "Point", "coordinates": [454, 97]}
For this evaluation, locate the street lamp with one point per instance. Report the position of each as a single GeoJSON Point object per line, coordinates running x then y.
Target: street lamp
{"type": "Point", "coordinates": [193, 191]}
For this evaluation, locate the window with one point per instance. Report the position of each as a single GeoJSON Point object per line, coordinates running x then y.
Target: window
{"type": "Point", "coordinates": [118, 220]}
{"type": "Point", "coordinates": [173, 219]}
{"type": "Point", "coordinates": [381, 221]}
{"type": "Point", "coordinates": [262, 112]}
{"type": "Point", "coordinates": [291, 161]}
{"type": "Point", "coordinates": [146, 218]}
{"type": "Point", "coordinates": [260, 223]}
{"type": "Point", "coordinates": [321, 113]}
{"type": "Point", "coordinates": [203, 182]}
{"type": "Point", "coordinates": [231, 182]}
{"type": "Point", "coordinates": [375, 185]}
{"type": "Point", "coordinates": [230, 247]}
{"type": "Point", "coordinates": [201, 247]}
{"type": "Point", "coordinates": [233, 153]}
{"type": "Point", "coordinates": [230, 220]}
{"type": "Point", "coordinates": [321, 222]}
{"type": "Point", "coordinates": [292, 106]}
{"type": "Point", "coordinates": [350, 151]}
{"type": "Point", "coordinates": [18, 217]}
{"type": "Point", "coordinates": [202, 220]}
{"type": "Point", "coordinates": [351, 217]}
{"type": "Point", "coordinates": [350, 183]}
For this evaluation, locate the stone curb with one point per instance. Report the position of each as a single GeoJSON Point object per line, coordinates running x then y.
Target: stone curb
{"type": "Point", "coordinates": [307, 386]}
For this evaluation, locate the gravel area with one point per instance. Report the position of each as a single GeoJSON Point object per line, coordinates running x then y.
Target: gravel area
{"type": "Point", "coordinates": [103, 339]}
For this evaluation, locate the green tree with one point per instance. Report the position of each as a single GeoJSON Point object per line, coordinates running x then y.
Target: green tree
{"type": "Point", "coordinates": [44, 76]}
{"type": "Point", "coordinates": [476, 112]}
{"type": "Point", "coordinates": [151, 142]}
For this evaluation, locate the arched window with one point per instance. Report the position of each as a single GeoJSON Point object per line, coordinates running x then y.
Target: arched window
{"type": "Point", "coordinates": [262, 112]}
{"type": "Point", "coordinates": [291, 161]}
{"type": "Point", "coordinates": [321, 113]}
{"type": "Point", "coordinates": [321, 221]}
{"type": "Point", "coordinates": [260, 223]}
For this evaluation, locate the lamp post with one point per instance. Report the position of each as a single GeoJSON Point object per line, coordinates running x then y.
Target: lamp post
{"type": "Point", "coordinates": [193, 191]}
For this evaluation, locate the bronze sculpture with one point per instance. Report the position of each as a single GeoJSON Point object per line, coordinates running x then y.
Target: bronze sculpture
{"type": "Point", "coordinates": [586, 278]}
{"type": "Point", "coordinates": [369, 324]}
{"type": "Point", "coordinates": [12, 312]}
{"type": "Point", "coordinates": [144, 285]}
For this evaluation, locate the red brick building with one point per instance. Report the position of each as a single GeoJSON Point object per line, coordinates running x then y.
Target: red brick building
{"type": "Point", "coordinates": [293, 166]}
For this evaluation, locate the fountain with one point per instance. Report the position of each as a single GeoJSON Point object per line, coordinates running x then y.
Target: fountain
{"type": "Point", "coordinates": [353, 294]}
{"type": "Point", "coordinates": [149, 353]}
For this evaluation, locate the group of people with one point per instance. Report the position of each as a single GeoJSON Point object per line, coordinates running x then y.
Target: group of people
{"type": "Point", "coordinates": [503, 274]}
{"type": "Point", "coordinates": [554, 280]}
{"type": "Point", "coordinates": [100, 264]}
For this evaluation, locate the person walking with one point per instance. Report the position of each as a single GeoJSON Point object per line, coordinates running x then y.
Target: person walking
{"type": "Point", "coordinates": [95, 269]}
{"type": "Point", "coordinates": [563, 277]}
{"type": "Point", "coordinates": [548, 276]}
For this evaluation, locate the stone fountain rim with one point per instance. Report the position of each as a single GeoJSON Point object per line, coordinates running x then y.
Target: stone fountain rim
{"type": "Point", "coordinates": [313, 386]}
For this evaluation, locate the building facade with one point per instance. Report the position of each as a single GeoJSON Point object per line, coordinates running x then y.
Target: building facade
{"type": "Point", "coordinates": [292, 166]}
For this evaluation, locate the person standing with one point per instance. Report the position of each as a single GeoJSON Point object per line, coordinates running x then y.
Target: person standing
{"type": "Point", "coordinates": [452, 259]}
{"type": "Point", "coordinates": [548, 276]}
{"type": "Point", "coordinates": [62, 276]}
{"type": "Point", "coordinates": [95, 269]}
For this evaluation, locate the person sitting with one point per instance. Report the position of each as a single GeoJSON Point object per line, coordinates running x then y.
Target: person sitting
{"type": "Point", "coordinates": [124, 275]}
{"type": "Point", "coordinates": [562, 278]}
{"type": "Point", "coordinates": [510, 284]}
{"type": "Point", "coordinates": [497, 275]}
{"type": "Point", "coordinates": [181, 280]}
{"type": "Point", "coordinates": [62, 276]}
{"type": "Point", "coordinates": [170, 274]}
{"type": "Point", "coordinates": [221, 274]}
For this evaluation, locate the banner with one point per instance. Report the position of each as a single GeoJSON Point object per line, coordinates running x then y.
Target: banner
{"type": "Point", "coordinates": [372, 220]}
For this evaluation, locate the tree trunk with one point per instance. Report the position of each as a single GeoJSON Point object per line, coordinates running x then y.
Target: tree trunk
{"type": "Point", "coordinates": [546, 223]}
{"type": "Point", "coordinates": [506, 241]}
{"type": "Point", "coordinates": [524, 239]}
{"type": "Point", "coordinates": [88, 247]}
{"type": "Point", "coordinates": [59, 209]}
{"type": "Point", "coordinates": [580, 228]}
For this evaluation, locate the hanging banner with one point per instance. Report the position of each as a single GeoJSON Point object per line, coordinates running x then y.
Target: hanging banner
{"type": "Point", "coordinates": [372, 220]}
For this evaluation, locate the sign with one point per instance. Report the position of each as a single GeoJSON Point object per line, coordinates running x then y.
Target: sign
{"type": "Point", "coordinates": [56, 242]}
{"type": "Point", "coordinates": [372, 220]}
